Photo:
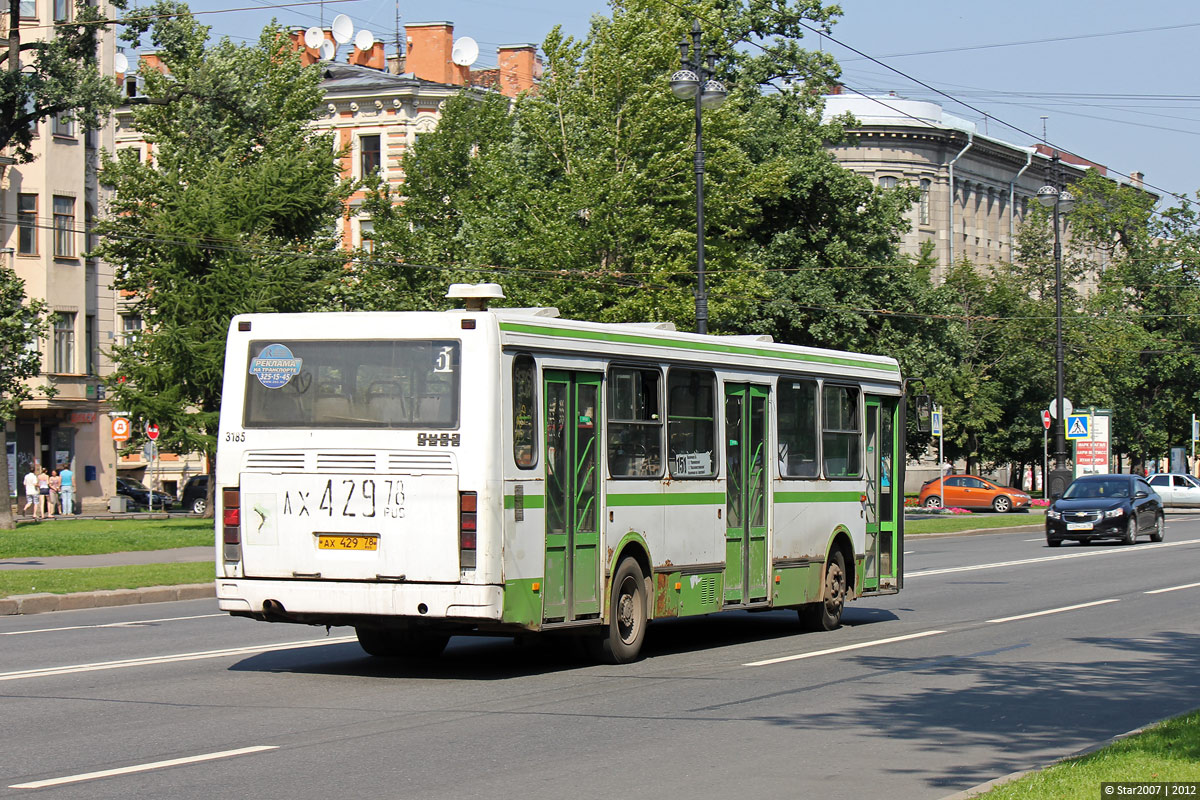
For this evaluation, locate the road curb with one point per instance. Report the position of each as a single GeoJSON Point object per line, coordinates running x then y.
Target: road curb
{"type": "Point", "coordinates": [974, 791]}
{"type": "Point", "coordinates": [44, 601]}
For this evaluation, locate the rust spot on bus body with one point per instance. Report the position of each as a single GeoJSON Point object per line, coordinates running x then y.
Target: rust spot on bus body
{"type": "Point", "coordinates": [663, 607]}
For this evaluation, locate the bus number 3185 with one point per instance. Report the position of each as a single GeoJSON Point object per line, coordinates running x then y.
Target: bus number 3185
{"type": "Point", "coordinates": [347, 498]}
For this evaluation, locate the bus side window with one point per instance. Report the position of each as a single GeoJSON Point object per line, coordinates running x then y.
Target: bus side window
{"type": "Point", "coordinates": [634, 423]}
{"type": "Point", "coordinates": [797, 419]}
{"type": "Point", "coordinates": [841, 434]}
{"type": "Point", "coordinates": [524, 420]}
{"type": "Point", "coordinates": [691, 423]}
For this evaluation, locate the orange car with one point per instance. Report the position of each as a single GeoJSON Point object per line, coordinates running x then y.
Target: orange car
{"type": "Point", "coordinates": [968, 491]}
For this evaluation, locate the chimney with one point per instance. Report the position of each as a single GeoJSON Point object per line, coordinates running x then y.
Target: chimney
{"type": "Point", "coordinates": [308, 56]}
{"type": "Point", "coordinates": [1136, 179]}
{"type": "Point", "coordinates": [520, 68]}
{"type": "Point", "coordinates": [373, 57]}
{"type": "Point", "coordinates": [428, 56]}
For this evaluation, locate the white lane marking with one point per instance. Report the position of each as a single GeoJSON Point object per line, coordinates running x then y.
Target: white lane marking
{"type": "Point", "coordinates": [1173, 588]}
{"type": "Point", "coordinates": [844, 649]}
{"type": "Point", "coordinates": [127, 624]}
{"type": "Point", "coordinates": [909, 552]}
{"type": "Point", "coordinates": [1141, 548]}
{"type": "Point", "coordinates": [174, 762]}
{"type": "Point", "coordinates": [1038, 539]}
{"type": "Point", "coordinates": [152, 660]}
{"type": "Point", "coordinates": [1056, 610]}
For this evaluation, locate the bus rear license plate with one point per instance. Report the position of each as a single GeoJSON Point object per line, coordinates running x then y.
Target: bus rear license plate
{"type": "Point", "coordinates": [325, 542]}
{"type": "Point", "coordinates": [1079, 526]}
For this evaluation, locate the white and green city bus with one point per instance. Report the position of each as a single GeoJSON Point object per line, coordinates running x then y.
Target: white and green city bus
{"type": "Point", "coordinates": [421, 474]}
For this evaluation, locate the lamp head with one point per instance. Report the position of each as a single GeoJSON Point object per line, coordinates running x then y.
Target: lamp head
{"type": "Point", "coordinates": [1047, 196]}
{"type": "Point", "coordinates": [685, 84]}
{"type": "Point", "coordinates": [1066, 201]}
{"type": "Point", "coordinates": [713, 94]}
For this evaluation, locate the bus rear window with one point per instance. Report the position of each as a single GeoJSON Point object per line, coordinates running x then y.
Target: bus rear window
{"type": "Point", "coordinates": [352, 384]}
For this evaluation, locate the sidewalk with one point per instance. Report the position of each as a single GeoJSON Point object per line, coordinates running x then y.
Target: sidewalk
{"type": "Point", "coordinates": [175, 556]}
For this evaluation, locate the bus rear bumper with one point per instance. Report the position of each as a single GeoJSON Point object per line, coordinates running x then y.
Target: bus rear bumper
{"type": "Point", "coordinates": [321, 602]}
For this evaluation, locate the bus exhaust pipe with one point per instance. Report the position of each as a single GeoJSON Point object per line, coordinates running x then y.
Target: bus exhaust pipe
{"type": "Point", "coordinates": [274, 611]}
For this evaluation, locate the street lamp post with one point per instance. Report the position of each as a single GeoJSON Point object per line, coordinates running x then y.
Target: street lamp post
{"type": "Point", "coordinates": [1060, 202]}
{"type": "Point", "coordinates": [694, 81]}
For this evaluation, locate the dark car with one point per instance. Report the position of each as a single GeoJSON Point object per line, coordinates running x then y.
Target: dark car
{"type": "Point", "coordinates": [195, 494]}
{"type": "Point", "coordinates": [139, 494]}
{"type": "Point", "coordinates": [1093, 507]}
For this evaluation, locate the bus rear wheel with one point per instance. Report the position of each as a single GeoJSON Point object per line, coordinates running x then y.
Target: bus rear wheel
{"type": "Point", "coordinates": [623, 638]}
{"type": "Point", "coordinates": [401, 644]}
{"type": "Point", "coordinates": [827, 614]}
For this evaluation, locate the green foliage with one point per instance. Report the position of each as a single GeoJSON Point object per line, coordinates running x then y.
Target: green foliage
{"type": "Point", "coordinates": [57, 74]}
{"type": "Point", "coordinates": [82, 537]}
{"type": "Point", "coordinates": [22, 322]}
{"type": "Point", "coordinates": [95, 579]}
{"type": "Point", "coordinates": [233, 214]}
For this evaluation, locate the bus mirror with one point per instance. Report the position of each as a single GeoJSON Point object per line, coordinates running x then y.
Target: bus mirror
{"type": "Point", "coordinates": [924, 409]}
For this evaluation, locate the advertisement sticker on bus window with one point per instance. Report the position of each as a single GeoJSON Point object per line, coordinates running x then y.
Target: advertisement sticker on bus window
{"type": "Point", "coordinates": [274, 366]}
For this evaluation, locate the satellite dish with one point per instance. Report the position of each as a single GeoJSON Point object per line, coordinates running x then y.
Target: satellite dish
{"type": "Point", "coordinates": [343, 29]}
{"type": "Point", "coordinates": [120, 63]}
{"type": "Point", "coordinates": [313, 38]}
{"type": "Point", "coordinates": [464, 52]}
{"type": "Point", "coordinates": [364, 40]}
{"type": "Point", "coordinates": [328, 50]}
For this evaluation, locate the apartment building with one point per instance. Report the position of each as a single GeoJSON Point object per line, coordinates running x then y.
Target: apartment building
{"type": "Point", "coordinates": [974, 188]}
{"type": "Point", "coordinates": [47, 207]}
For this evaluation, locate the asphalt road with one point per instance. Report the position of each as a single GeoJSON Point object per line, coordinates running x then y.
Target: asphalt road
{"type": "Point", "coordinates": [1000, 655]}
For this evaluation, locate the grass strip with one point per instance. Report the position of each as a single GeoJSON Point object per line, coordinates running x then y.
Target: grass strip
{"type": "Point", "coordinates": [969, 522]}
{"type": "Point", "coordinates": [91, 579]}
{"type": "Point", "coordinates": [85, 537]}
{"type": "Point", "coordinates": [1166, 752]}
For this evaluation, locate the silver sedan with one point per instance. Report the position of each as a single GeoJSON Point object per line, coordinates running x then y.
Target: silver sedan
{"type": "Point", "coordinates": [1176, 489]}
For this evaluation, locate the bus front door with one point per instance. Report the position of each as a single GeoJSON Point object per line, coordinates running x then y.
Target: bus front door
{"type": "Point", "coordinates": [572, 580]}
{"type": "Point", "coordinates": [746, 488]}
{"type": "Point", "coordinates": [883, 503]}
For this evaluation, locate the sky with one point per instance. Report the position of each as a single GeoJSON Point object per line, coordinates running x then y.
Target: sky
{"type": "Point", "coordinates": [1114, 79]}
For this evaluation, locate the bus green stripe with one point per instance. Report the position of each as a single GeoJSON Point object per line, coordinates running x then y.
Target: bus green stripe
{"type": "Point", "coordinates": [531, 501]}
{"type": "Point", "coordinates": [817, 497]}
{"type": "Point", "coordinates": [711, 347]}
{"type": "Point", "coordinates": [672, 499]}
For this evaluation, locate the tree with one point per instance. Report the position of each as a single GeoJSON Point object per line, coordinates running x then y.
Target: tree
{"type": "Point", "coordinates": [22, 322]}
{"type": "Point", "coordinates": [232, 215]}
{"type": "Point", "coordinates": [55, 74]}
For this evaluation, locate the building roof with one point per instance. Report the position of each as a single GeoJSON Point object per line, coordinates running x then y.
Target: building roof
{"type": "Point", "coordinates": [339, 77]}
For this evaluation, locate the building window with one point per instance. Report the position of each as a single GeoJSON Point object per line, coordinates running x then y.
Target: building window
{"type": "Point", "coordinates": [525, 412]}
{"type": "Point", "coordinates": [841, 439]}
{"type": "Point", "coordinates": [62, 10]}
{"type": "Point", "coordinates": [64, 227]}
{"type": "Point", "coordinates": [369, 155]}
{"type": "Point", "coordinates": [888, 182]}
{"type": "Point", "coordinates": [366, 233]}
{"type": "Point", "coordinates": [798, 438]}
{"type": "Point", "coordinates": [31, 111]}
{"type": "Point", "coordinates": [64, 342]}
{"type": "Point", "coordinates": [89, 334]}
{"type": "Point", "coordinates": [691, 423]}
{"type": "Point", "coordinates": [28, 9]}
{"type": "Point", "coordinates": [63, 125]}
{"type": "Point", "coordinates": [634, 423]}
{"type": "Point", "coordinates": [923, 207]}
{"type": "Point", "coordinates": [131, 328]}
{"type": "Point", "coordinates": [27, 222]}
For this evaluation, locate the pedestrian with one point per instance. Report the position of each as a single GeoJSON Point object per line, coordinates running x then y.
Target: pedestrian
{"type": "Point", "coordinates": [68, 490]}
{"type": "Point", "coordinates": [43, 494]}
{"type": "Point", "coordinates": [55, 491]}
{"type": "Point", "coordinates": [31, 489]}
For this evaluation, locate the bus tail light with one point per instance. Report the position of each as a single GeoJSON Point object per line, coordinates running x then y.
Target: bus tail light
{"type": "Point", "coordinates": [231, 523]}
{"type": "Point", "coordinates": [467, 504]}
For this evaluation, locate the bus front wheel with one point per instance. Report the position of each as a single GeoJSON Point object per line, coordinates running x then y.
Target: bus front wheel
{"type": "Point", "coordinates": [626, 630]}
{"type": "Point", "coordinates": [401, 644]}
{"type": "Point", "coordinates": [827, 614]}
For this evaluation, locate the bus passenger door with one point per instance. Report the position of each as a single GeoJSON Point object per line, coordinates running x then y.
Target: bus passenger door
{"type": "Point", "coordinates": [883, 495]}
{"type": "Point", "coordinates": [746, 500]}
{"type": "Point", "coordinates": [572, 578]}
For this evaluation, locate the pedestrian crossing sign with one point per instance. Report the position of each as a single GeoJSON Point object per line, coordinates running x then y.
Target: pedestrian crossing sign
{"type": "Point", "coordinates": [1078, 426]}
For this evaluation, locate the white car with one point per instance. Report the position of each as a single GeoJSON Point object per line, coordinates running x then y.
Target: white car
{"type": "Point", "coordinates": [1176, 489]}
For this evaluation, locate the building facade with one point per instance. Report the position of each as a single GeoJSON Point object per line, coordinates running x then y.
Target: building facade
{"type": "Point", "coordinates": [974, 189]}
{"type": "Point", "coordinates": [44, 235]}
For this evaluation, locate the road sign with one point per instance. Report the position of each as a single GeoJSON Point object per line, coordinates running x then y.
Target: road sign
{"type": "Point", "coordinates": [1046, 418]}
{"type": "Point", "coordinates": [1068, 407]}
{"type": "Point", "coordinates": [1078, 426]}
{"type": "Point", "coordinates": [936, 424]}
{"type": "Point", "coordinates": [151, 431]}
{"type": "Point", "coordinates": [120, 429]}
